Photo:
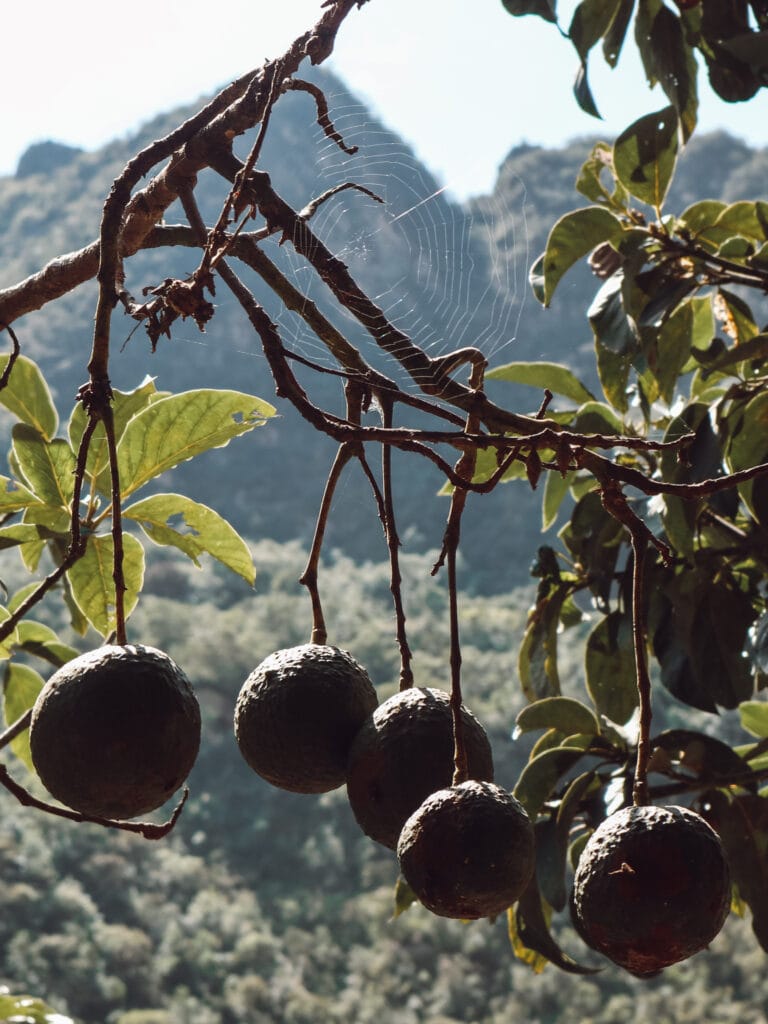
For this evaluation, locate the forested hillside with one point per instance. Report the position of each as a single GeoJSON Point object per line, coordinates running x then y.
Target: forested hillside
{"type": "Point", "coordinates": [266, 906]}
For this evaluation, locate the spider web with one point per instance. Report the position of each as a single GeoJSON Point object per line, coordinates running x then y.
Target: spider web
{"type": "Point", "coordinates": [447, 275]}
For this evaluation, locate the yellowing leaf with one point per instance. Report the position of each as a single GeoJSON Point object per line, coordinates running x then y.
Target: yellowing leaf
{"type": "Point", "coordinates": [92, 585]}
{"type": "Point", "coordinates": [125, 405]}
{"type": "Point", "coordinates": [21, 686]}
{"type": "Point", "coordinates": [14, 496]}
{"type": "Point", "coordinates": [27, 396]}
{"type": "Point", "coordinates": [554, 376]}
{"type": "Point", "coordinates": [201, 531]}
{"type": "Point", "coordinates": [47, 466]}
{"type": "Point", "coordinates": [175, 429]}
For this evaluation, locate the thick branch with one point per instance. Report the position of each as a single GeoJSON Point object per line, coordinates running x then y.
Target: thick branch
{"type": "Point", "coordinates": [235, 110]}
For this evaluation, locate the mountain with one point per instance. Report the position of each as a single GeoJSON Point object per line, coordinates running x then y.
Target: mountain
{"type": "Point", "coordinates": [448, 275]}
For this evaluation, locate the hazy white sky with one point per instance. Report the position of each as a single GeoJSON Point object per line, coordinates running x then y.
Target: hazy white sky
{"type": "Point", "coordinates": [460, 80]}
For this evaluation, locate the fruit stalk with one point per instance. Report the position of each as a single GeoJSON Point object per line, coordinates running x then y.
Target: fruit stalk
{"type": "Point", "coordinates": [308, 578]}
{"type": "Point", "coordinates": [117, 524]}
{"type": "Point", "coordinates": [640, 795]}
{"type": "Point", "coordinates": [465, 469]}
{"type": "Point", "coordinates": [393, 543]}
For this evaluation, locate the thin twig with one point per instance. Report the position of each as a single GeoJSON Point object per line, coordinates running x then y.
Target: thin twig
{"type": "Point", "coordinates": [465, 467]}
{"type": "Point", "coordinates": [118, 573]}
{"type": "Point", "coordinates": [16, 728]}
{"type": "Point", "coordinates": [16, 349]}
{"type": "Point", "coordinates": [323, 114]}
{"type": "Point", "coordinates": [308, 578]}
{"type": "Point", "coordinates": [147, 829]}
{"type": "Point", "coordinates": [639, 643]}
{"type": "Point", "coordinates": [314, 205]}
{"type": "Point", "coordinates": [393, 543]}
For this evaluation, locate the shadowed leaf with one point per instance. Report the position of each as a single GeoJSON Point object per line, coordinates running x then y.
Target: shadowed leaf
{"type": "Point", "coordinates": [644, 156]}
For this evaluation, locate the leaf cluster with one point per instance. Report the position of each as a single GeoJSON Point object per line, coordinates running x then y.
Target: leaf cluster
{"type": "Point", "coordinates": [155, 431]}
{"type": "Point", "coordinates": [729, 37]}
{"type": "Point", "coordinates": [681, 357]}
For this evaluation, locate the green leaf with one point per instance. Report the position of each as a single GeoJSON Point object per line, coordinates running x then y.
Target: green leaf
{"type": "Point", "coordinates": [755, 348]}
{"type": "Point", "coordinates": [526, 954]}
{"type": "Point", "coordinates": [536, 279]}
{"type": "Point", "coordinates": [750, 47]}
{"type": "Point", "coordinates": [583, 94]}
{"type": "Point", "coordinates": [594, 539]}
{"type": "Point", "coordinates": [573, 236]}
{"type": "Point", "coordinates": [700, 640]}
{"type": "Point", "coordinates": [747, 217]}
{"type": "Point", "coordinates": [555, 376]}
{"type": "Point", "coordinates": [564, 713]}
{"type": "Point", "coordinates": [537, 659]}
{"type": "Point", "coordinates": [749, 446]}
{"type": "Point", "coordinates": [644, 156]}
{"type": "Point", "coordinates": [741, 822]}
{"type": "Point", "coordinates": [590, 22]}
{"type": "Point", "coordinates": [13, 536]}
{"type": "Point", "coordinates": [7, 645]}
{"type": "Point", "coordinates": [673, 347]}
{"type": "Point", "coordinates": [125, 405]}
{"type": "Point", "coordinates": [552, 841]}
{"type": "Point", "coordinates": [175, 429]}
{"type": "Point", "coordinates": [704, 756]}
{"type": "Point", "coordinates": [675, 68]}
{"type": "Point", "coordinates": [555, 491]}
{"type": "Point", "coordinates": [590, 179]}
{"type": "Point", "coordinates": [405, 897]}
{"type": "Point", "coordinates": [21, 595]}
{"type": "Point", "coordinates": [543, 8]}
{"type": "Point", "coordinates": [200, 531]}
{"type": "Point", "coordinates": [737, 247]}
{"type": "Point", "coordinates": [736, 316]}
{"type": "Point", "coordinates": [597, 418]}
{"type": "Point", "coordinates": [701, 215]}
{"type": "Point", "coordinates": [610, 324]}
{"type": "Point", "coordinates": [613, 40]}
{"type": "Point", "coordinates": [48, 467]}
{"type": "Point", "coordinates": [646, 14]}
{"type": "Point", "coordinates": [26, 1010]}
{"type": "Point", "coordinates": [14, 496]}
{"type": "Point", "coordinates": [541, 775]}
{"type": "Point", "coordinates": [754, 717]}
{"type": "Point", "coordinates": [21, 685]}
{"type": "Point", "coordinates": [610, 668]}
{"type": "Point", "coordinates": [93, 588]}
{"type": "Point", "coordinates": [749, 437]}
{"type": "Point", "coordinates": [551, 855]}
{"type": "Point", "coordinates": [27, 396]}
{"type": "Point", "coordinates": [41, 641]}
{"type": "Point", "coordinates": [529, 931]}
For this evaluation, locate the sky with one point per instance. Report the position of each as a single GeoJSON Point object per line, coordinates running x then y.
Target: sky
{"type": "Point", "coordinates": [460, 80]}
